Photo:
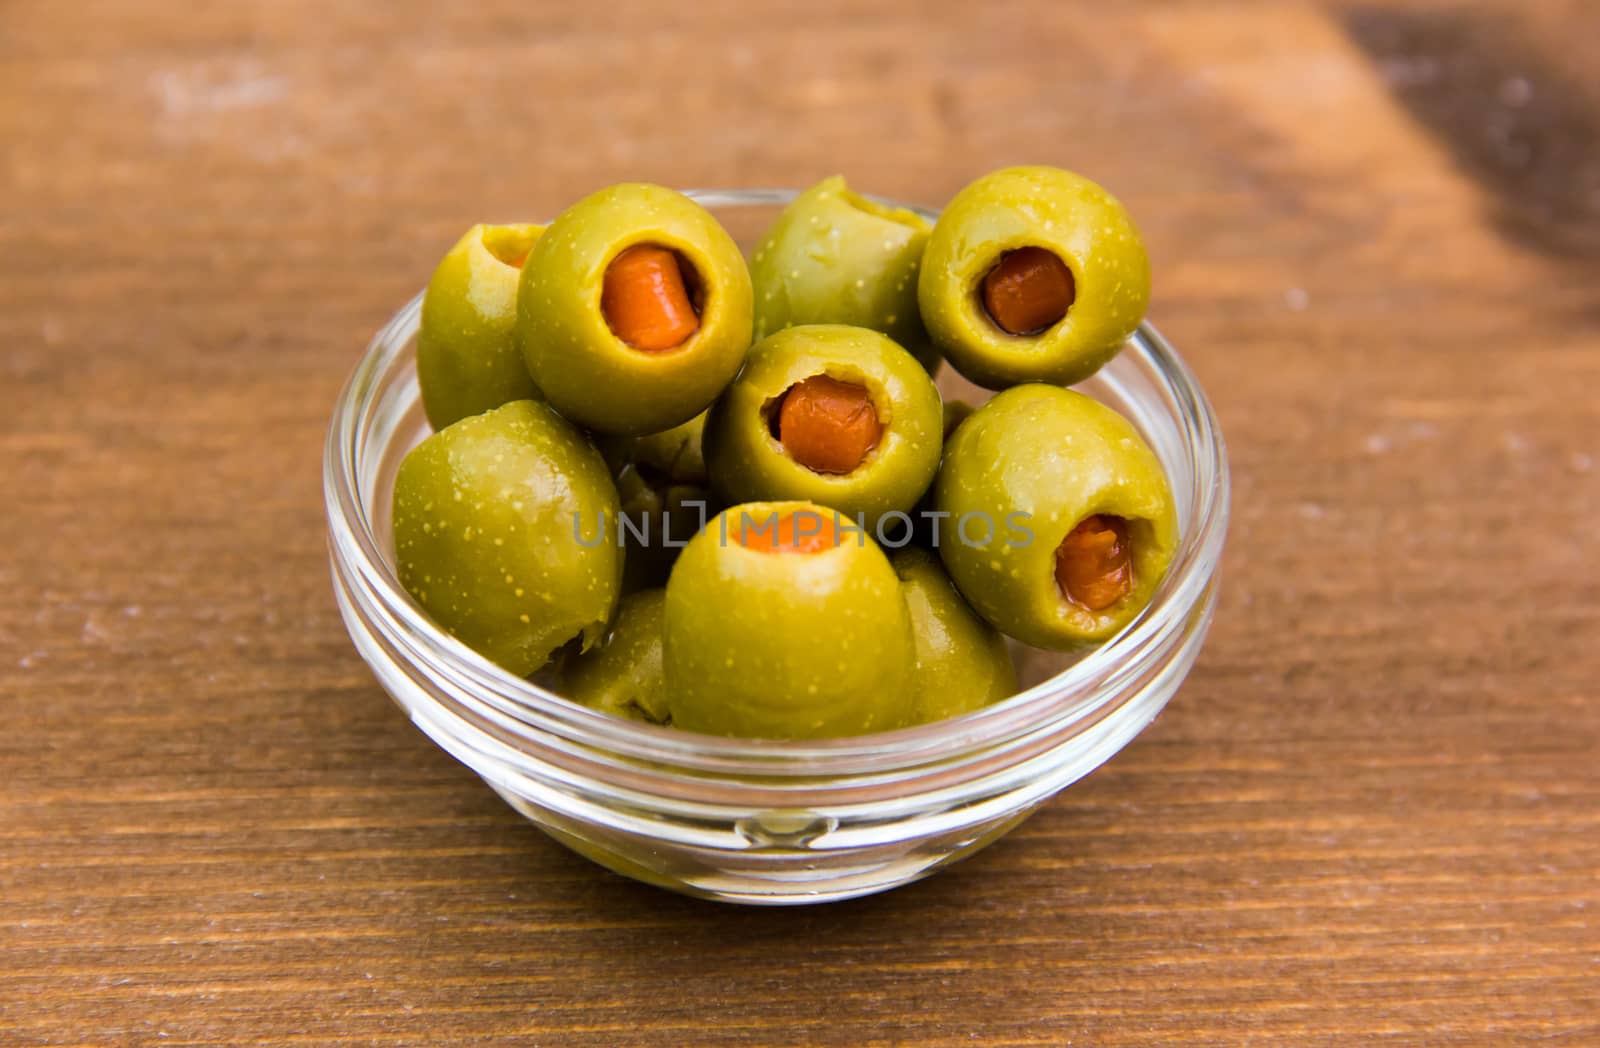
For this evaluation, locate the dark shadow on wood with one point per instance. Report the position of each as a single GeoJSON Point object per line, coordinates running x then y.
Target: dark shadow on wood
{"type": "Point", "coordinates": [1519, 125]}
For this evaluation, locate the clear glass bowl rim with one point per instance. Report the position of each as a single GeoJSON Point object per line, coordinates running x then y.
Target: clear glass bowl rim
{"type": "Point", "coordinates": [1080, 696]}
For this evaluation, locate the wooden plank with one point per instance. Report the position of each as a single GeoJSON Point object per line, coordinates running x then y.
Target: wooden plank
{"type": "Point", "coordinates": [1370, 815]}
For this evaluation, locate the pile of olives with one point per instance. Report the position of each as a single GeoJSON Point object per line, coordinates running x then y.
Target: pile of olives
{"type": "Point", "coordinates": [725, 495]}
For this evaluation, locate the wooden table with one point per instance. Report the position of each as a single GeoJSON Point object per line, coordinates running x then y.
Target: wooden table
{"type": "Point", "coordinates": [1369, 817]}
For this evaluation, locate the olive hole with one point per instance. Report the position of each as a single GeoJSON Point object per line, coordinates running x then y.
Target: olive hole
{"type": "Point", "coordinates": [897, 215]}
{"type": "Point", "coordinates": [693, 284]}
{"type": "Point", "coordinates": [771, 412]}
{"type": "Point", "coordinates": [508, 245]}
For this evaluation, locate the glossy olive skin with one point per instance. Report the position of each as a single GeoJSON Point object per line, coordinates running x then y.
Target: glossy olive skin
{"type": "Point", "coordinates": [622, 674]}
{"type": "Point", "coordinates": [666, 497]}
{"type": "Point", "coordinates": [657, 522]}
{"type": "Point", "coordinates": [1036, 460]}
{"type": "Point", "coordinates": [1065, 213]}
{"type": "Point", "coordinates": [955, 413]}
{"type": "Point", "coordinates": [786, 645]}
{"type": "Point", "coordinates": [924, 528]}
{"type": "Point", "coordinates": [468, 360]}
{"type": "Point", "coordinates": [673, 456]}
{"type": "Point", "coordinates": [589, 374]}
{"type": "Point", "coordinates": [747, 463]}
{"type": "Point", "coordinates": [834, 257]}
{"type": "Point", "coordinates": [962, 662]}
{"type": "Point", "coordinates": [485, 537]}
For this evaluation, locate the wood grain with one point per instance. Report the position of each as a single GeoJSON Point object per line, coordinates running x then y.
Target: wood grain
{"type": "Point", "coordinates": [1370, 817]}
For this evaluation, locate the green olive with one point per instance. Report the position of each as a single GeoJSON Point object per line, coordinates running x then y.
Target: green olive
{"type": "Point", "coordinates": [1021, 476]}
{"type": "Point", "coordinates": [955, 413]}
{"type": "Point", "coordinates": [665, 494]}
{"type": "Point", "coordinates": [655, 525]}
{"type": "Point", "coordinates": [673, 456]}
{"type": "Point", "coordinates": [622, 674]}
{"type": "Point", "coordinates": [962, 662]}
{"type": "Point", "coordinates": [835, 257]}
{"type": "Point", "coordinates": [751, 456]}
{"type": "Point", "coordinates": [768, 638]}
{"type": "Point", "coordinates": [1054, 215]}
{"type": "Point", "coordinates": [467, 355]}
{"type": "Point", "coordinates": [504, 531]}
{"type": "Point", "coordinates": [570, 337]}
{"type": "Point", "coordinates": [921, 529]}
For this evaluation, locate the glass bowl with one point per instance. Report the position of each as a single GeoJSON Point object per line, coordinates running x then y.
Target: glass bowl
{"type": "Point", "coordinates": [757, 821]}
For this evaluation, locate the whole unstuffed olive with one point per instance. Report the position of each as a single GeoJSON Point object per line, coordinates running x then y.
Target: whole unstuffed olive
{"type": "Point", "coordinates": [835, 257]}
{"type": "Point", "coordinates": [504, 531]}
